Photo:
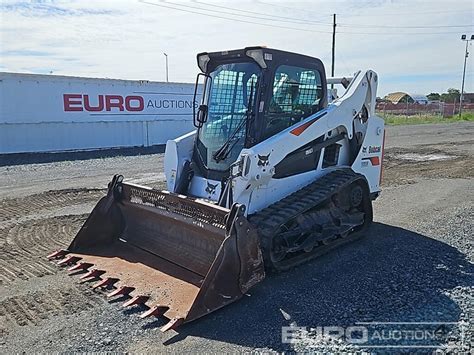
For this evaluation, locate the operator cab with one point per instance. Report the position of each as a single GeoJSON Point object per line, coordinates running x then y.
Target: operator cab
{"type": "Point", "coordinates": [249, 95]}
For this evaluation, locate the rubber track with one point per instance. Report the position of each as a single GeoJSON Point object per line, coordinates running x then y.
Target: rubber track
{"type": "Point", "coordinates": [269, 220]}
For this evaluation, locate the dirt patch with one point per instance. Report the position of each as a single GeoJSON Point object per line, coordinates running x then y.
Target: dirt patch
{"type": "Point", "coordinates": [405, 166]}
{"type": "Point", "coordinates": [425, 157]}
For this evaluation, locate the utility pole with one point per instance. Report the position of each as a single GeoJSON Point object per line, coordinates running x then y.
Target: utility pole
{"type": "Point", "coordinates": [333, 46]}
{"type": "Point", "coordinates": [461, 98]}
{"type": "Point", "coordinates": [166, 56]}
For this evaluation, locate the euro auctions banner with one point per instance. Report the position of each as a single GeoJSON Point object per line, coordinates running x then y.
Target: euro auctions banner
{"type": "Point", "coordinates": [113, 104]}
{"type": "Point", "coordinates": [52, 113]}
{"type": "Point", "coordinates": [46, 98]}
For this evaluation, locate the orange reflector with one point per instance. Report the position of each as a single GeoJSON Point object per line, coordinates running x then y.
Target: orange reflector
{"type": "Point", "coordinates": [375, 160]}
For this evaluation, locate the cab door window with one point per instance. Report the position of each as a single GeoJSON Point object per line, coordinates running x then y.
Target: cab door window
{"type": "Point", "coordinates": [297, 94]}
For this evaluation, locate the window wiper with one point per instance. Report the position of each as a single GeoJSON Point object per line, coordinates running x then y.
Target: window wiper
{"type": "Point", "coordinates": [223, 152]}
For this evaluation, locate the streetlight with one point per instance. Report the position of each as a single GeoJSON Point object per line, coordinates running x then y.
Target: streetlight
{"type": "Point", "coordinates": [464, 38]}
{"type": "Point", "coordinates": [166, 56]}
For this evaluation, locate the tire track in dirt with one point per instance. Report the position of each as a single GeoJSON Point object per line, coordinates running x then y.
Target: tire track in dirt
{"type": "Point", "coordinates": [33, 308]}
{"type": "Point", "coordinates": [30, 228]}
{"type": "Point", "coordinates": [23, 247]}
{"type": "Point", "coordinates": [15, 208]}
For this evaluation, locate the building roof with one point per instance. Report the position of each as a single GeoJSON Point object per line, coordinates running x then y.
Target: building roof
{"type": "Point", "coordinates": [419, 97]}
{"type": "Point", "coordinates": [396, 97]}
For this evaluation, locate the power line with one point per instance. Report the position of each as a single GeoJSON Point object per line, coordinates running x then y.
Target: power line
{"type": "Point", "coordinates": [186, 9]}
{"type": "Point", "coordinates": [233, 19]}
{"type": "Point", "coordinates": [285, 19]}
{"type": "Point", "coordinates": [439, 12]}
{"type": "Point", "coordinates": [399, 33]}
{"type": "Point", "coordinates": [289, 8]}
{"type": "Point", "coordinates": [383, 26]}
{"type": "Point", "coordinates": [302, 21]}
{"type": "Point", "coordinates": [369, 14]}
{"type": "Point", "coordinates": [275, 17]}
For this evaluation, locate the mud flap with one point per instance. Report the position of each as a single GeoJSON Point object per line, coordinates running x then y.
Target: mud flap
{"type": "Point", "coordinates": [181, 257]}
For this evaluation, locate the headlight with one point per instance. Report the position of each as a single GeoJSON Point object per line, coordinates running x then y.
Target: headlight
{"type": "Point", "coordinates": [203, 59]}
{"type": "Point", "coordinates": [257, 55]}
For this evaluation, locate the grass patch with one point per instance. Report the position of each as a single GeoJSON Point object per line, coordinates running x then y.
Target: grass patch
{"type": "Point", "coordinates": [395, 120]}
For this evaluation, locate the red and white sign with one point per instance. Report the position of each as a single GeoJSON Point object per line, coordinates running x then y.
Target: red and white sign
{"type": "Point", "coordinates": [53, 113]}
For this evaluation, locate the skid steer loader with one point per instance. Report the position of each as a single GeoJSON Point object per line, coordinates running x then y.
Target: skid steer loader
{"type": "Point", "coordinates": [274, 174]}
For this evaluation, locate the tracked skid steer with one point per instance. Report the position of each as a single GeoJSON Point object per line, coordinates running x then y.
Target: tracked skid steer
{"type": "Point", "coordinates": [275, 174]}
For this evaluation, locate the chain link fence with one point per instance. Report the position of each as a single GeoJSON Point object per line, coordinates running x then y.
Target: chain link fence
{"type": "Point", "coordinates": [441, 109]}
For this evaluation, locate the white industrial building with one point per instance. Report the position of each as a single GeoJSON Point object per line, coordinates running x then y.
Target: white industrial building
{"type": "Point", "coordinates": [420, 99]}
{"type": "Point", "coordinates": [49, 113]}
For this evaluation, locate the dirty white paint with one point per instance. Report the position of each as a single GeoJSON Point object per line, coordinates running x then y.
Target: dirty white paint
{"type": "Point", "coordinates": [425, 157]}
{"type": "Point", "coordinates": [44, 113]}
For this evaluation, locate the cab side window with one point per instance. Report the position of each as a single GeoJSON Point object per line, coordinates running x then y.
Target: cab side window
{"type": "Point", "coordinates": [297, 94]}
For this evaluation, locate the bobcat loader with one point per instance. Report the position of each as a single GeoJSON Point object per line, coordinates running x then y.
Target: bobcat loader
{"type": "Point", "coordinates": [273, 176]}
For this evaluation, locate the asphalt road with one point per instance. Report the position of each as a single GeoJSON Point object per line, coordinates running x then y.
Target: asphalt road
{"type": "Point", "coordinates": [414, 265]}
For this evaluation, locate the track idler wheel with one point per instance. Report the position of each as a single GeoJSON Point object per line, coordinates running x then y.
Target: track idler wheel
{"type": "Point", "coordinates": [357, 195]}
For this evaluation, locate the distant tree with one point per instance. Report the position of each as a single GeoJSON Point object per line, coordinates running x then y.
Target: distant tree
{"type": "Point", "coordinates": [434, 96]}
{"type": "Point", "coordinates": [451, 96]}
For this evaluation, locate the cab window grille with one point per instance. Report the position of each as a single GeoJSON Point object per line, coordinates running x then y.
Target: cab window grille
{"type": "Point", "coordinates": [227, 108]}
{"type": "Point", "coordinates": [227, 98]}
{"type": "Point", "coordinates": [297, 94]}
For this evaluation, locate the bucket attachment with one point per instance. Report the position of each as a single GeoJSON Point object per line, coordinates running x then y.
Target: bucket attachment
{"type": "Point", "coordinates": [181, 257]}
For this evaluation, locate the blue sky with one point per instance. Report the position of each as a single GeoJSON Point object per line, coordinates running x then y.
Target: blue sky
{"type": "Point", "coordinates": [414, 46]}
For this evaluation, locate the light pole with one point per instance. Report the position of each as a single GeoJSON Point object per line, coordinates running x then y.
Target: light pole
{"type": "Point", "coordinates": [464, 38]}
{"type": "Point", "coordinates": [166, 56]}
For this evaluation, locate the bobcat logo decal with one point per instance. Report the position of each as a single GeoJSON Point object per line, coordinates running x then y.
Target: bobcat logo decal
{"type": "Point", "coordinates": [211, 189]}
{"type": "Point", "coordinates": [263, 159]}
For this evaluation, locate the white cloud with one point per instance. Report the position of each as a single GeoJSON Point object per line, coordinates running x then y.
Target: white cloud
{"type": "Point", "coordinates": [126, 39]}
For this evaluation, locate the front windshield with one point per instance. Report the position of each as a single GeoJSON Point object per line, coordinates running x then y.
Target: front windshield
{"type": "Point", "coordinates": [232, 88]}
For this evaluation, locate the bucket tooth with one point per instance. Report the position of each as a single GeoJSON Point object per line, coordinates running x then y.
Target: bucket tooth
{"type": "Point", "coordinates": [122, 291]}
{"type": "Point", "coordinates": [80, 266]}
{"type": "Point", "coordinates": [58, 254]}
{"type": "Point", "coordinates": [71, 259]}
{"type": "Point", "coordinates": [136, 300]}
{"type": "Point", "coordinates": [172, 324]}
{"type": "Point", "coordinates": [156, 311]}
{"type": "Point", "coordinates": [105, 283]}
{"type": "Point", "coordinates": [92, 273]}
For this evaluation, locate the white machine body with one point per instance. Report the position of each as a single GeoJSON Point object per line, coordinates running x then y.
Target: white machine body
{"type": "Point", "coordinates": [252, 179]}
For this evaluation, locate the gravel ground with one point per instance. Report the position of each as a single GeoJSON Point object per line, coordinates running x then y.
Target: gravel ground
{"type": "Point", "coordinates": [414, 265]}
